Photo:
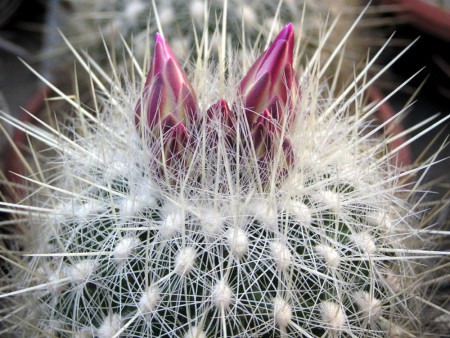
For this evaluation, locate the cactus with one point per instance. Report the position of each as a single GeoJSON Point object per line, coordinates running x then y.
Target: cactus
{"type": "Point", "coordinates": [272, 210]}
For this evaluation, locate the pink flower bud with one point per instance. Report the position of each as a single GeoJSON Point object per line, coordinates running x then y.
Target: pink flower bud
{"type": "Point", "coordinates": [168, 98]}
{"type": "Point", "coordinates": [267, 142]}
{"type": "Point", "coordinates": [220, 113]}
{"type": "Point", "coordinates": [270, 82]}
{"type": "Point", "coordinates": [176, 140]}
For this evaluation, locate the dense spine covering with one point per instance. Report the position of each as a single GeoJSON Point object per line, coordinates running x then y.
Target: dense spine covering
{"type": "Point", "coordinates": [273, 213]}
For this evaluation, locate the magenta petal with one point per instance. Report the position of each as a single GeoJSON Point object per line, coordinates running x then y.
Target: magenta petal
{"type": "Point", "coordinates": [281, 85]}
{"type": "Point", "coordinates": [264, 118]}
{"type": "Point", "coordinates": [279, 52]}
{"type": "Point", "coordinates": [288, 152]}
{"type": "Point", "coordinates": [189, 103]}
{"type": "Point", "coordinates": [256, 94]}
{"type": "Point", "coordinates": [168, 123]}
{"type": "Point", "coordinates": [168, 52]}
{"type": "Point", "coordinates": [255, 100]}
{"type": "Point", "coordinates": [275, 60]}
{"type": "Point", "coordinates": [289, 74]}
{"type": "Point", "coordinates": [258, 135]}
{"type": "Point", "coordinates": [221, 122]}
{"type": "Point", "coordinates": [175, 142]}
{"type": "Point", "coordinates": [181, 135]}
{"type": "Point", "coordinates": [159, 57]}
{"type": "Point", "coordinates": [167, 91]}
{"type": "Point", "coordinates": [220, 110]}
{"type": "Point", "coordinates": [163, 53]}
{"type": "Point", "coordinates": [287, 84]}
{"type": "Point", "coordinates": [172, 77]}
{"type": "Point", "coordinates": [248, 79]}
{"type": "Point", "coordinates": [154, 98]}
{"type": "Point", "coordinates": [267, 138]}
{"type": "Point", "coordinates": [223, 105]}
{"type": "Point", "coordinates": [286, 32]}
{"type": "Point", "coordinates": [276, 108]}
{"type": "Point", "coordinates": [271, 79]}
{"type": "Point", "coordinates": [262, 131]}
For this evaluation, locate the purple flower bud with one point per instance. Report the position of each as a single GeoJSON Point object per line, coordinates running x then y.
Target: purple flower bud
{"type": "Point", "coordinates": [220, 113]}
{"type": "Point", "coordinates": [168, 98]}
{"type": "Point", "coordinates": [267, 138]}
{"type": "Point", "coordinates": [176, 140]}
{"type": "Point", "coordinates": [270, 82]}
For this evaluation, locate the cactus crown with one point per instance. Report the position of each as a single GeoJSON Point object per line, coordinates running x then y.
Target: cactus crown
{"type": "Point", "coordinates": [168, 113]}
{"type": "Point", "coordinates": [271, 214]}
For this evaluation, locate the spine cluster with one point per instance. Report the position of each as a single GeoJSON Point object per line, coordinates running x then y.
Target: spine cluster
{"type": "Point", "coordinates": [272, 212]}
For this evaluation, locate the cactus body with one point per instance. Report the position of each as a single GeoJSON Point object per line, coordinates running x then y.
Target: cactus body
{"type": "Point", "coordinates": [218, 242]}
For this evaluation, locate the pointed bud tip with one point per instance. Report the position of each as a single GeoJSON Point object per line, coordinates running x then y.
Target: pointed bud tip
{"type": "Point", "coordinates": [159, 38]}
{"type": "Point", "coordinates": [266, 115]}
{"type": "Point", "coordinates": [287, 32]}
{"type": "Point", "coordinates": [180, 128]}
{"type": "Point", "coordinates": [223, 104]}
{"type": "Point", "coordinates": [264, 119]}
